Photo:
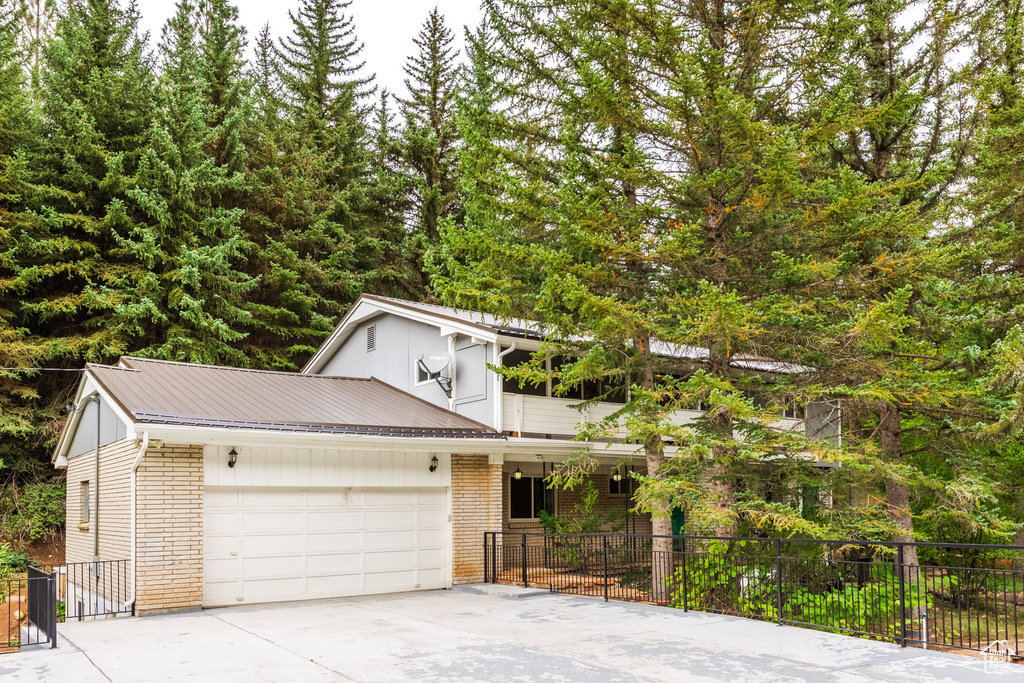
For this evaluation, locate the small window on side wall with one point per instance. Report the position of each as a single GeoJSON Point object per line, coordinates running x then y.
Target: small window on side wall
{"type": "Point", "coordinates": [84, 488]}
{"type": "Point", "coordinates": [528, 496]}
{"type": "Point", "coordinates": [619, 487]}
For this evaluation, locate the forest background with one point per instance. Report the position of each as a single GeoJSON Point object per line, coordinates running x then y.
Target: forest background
{"type": "Point", "coordinates": [835, 185]}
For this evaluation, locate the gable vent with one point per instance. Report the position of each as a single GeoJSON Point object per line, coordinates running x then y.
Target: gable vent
{"type": "Point", "coordinates": [371, 337]}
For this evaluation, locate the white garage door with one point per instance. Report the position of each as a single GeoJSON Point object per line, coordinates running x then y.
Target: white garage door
{"type": "Point", "coordinates": [271, 544]}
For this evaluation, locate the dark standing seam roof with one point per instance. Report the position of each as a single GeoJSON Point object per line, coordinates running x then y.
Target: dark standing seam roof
{"type": "Point", "coordinates": [164, 392]}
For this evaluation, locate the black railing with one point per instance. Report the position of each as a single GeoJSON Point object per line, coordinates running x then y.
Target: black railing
{"type": "Point", "coordinates": [35, 601]}
{"type": "Point", "coordinates": [92, 590]}
{"type": "Point", "coordinates": [959, 596]}
{"type": "Point", "coordinates": [28, 614]}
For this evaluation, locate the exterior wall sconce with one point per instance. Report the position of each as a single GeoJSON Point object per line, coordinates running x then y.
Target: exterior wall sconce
{"type": "Point", "coordinates": [518, 474]}
{"type": "Point", "coordinates": [232, 457]}
{"type": "Point", "coordinates": [433, 463]}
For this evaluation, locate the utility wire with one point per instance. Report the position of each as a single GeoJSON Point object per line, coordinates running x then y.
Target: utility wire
{"type": "Point", "coordinates": [44, 369]}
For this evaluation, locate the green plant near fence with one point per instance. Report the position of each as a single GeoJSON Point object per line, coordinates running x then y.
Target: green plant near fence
{"type": "Point", "coordinates": [743, 579]}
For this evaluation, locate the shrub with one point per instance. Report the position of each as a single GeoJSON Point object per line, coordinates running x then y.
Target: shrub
{"type": "Point", "coordinates": [34, 512]}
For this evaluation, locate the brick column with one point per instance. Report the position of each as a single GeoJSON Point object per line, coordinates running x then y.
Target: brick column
{"type": "Point", "coordinates": [169, 530]}
{"type": "Point", "coordinates": [476, 508]}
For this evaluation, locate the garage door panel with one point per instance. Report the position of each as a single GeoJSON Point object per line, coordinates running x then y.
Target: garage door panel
{"type": "Point", "coordinates": [272, 544]}
{"type": "Point", "coordinates": [391, 540]}
{"type": "Point", "coordinates": [280, 588]}
{"type": "Point", "coordinates": [433, 537]}
{"type": "Point", "coordinates": [294, 565]}
{"type": "Point", "coordinates": [334, 520]}
{"type": "Point", "coordinates": [278, 498]}
{"type": "Point", "coordinates": [329, 498]}
{"type": "Point", "coordinates": [280, 520]}
{"type": "Point", "coordinates": [390, 519]}
{"type": "Point", "coordinates": [226, 568]}
{"type": "Point", "coordinates": [320, 541]}
{"type": "Point", "coordinates": [338, 584]}
{"type": "Point", "coordinates": [392, 580]}
{"type": "Point", "coordinates": [334, 562]}
{"type": "Point", "coordinates": [397, 559]}
{"type": "Point", "coordinates": [217, 520]}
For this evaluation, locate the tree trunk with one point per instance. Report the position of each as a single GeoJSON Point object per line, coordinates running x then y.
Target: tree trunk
{"type": "Point", "coordinates": [897, 496]}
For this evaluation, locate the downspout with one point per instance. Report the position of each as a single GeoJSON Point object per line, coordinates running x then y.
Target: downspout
{"type": "Point", "coordinates": [452, 338]}
{"type": "Point", "coordinates": [499, 395]}
{"type": "Point", "coordinates": [135, 466]}
{"type": "Point", "coordinates": [96, 493]}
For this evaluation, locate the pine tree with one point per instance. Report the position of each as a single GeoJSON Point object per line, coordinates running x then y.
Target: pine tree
{"type": "Point", "coordinates": [18, 349]}
{"type": "Point", "coordinates": [222, 47]}
{"type": "Point", "coordinates": [430, 134]}
{"type": "Point", "coordinates": [642, 189]}
{"type": "Point", "coordinates": [326, 152]}
{"type": "Point", "coordinates": [900, 128]}
{"type": "Point", "coordinates": [40, 18]}
{"type": "Point", "coordinates": [182, 298]}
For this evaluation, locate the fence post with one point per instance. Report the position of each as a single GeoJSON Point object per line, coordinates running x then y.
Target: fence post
{"type": "Point", "coordinates": [524, 561]}
{"type": "Point", "coordinates": [494, 557]}
{"type": "Point", "coordinates": [778, 578]}
{"type": "Point", "coordinates": [51, 581]}
{"type": "Point", "coordinates": [487, 567]}
{"type": "Point", "coordinates": [604, 547]}
{"type": "Point", "coordinates": [903, 596]}
{"type": "Point", "coordinates": [686, 599]}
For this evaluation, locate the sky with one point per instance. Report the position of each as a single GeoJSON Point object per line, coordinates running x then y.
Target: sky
{"type": "Point", "coordinates": [386, 27]}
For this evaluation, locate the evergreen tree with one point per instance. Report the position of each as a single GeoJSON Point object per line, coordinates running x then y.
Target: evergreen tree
{"type": "Point", "coordinates": [383, 255]}
{"type": "Point", "coordinates": [223, 43]}
{"type": "Point", "coordinates": [899, 130]}
{"type": "Point", "coordinates": [644, 185]}
{"type": "Point", "coordinates": [40, 18]}
{"type": "Point", "coordinates": [17, 348]}
{"type": "Point", "coordinates": [430, 134]}
{"type": "Point", "coordinates": [326, 153]}
{"type": "Point", "coordinates": [182, 297]}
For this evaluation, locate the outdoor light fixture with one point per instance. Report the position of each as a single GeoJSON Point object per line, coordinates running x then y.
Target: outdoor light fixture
{"type": "Point", "coordinates": [433, 463]}
{"type": "Point", "coordinates": [617, 475]}
{"type": "Point", "coordinates": [518, 474]}
{"type": "Point", "coordinates": [232, 457]}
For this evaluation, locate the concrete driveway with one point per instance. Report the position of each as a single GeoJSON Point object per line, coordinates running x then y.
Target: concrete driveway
{"type": "Point", "coordinates": [472, 633]}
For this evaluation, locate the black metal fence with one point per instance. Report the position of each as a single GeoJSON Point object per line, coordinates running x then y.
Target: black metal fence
{"type": "Point", "coordinates": [960, 596]}
{"type": "Point", "coordinates": [33, 602]}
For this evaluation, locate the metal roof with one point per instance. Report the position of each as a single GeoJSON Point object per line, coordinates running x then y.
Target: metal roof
{"type": "Point", "coordinates": [165, 392]}
{"type": "Point", "coordinates": [518, 327]}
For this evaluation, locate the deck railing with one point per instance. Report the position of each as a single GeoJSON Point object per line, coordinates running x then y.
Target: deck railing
{"type": "Point", "coordinates": [957, 596]}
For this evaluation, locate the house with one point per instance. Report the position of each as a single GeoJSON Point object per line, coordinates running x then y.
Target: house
{"type": "Point", "coordinates": [375, 469]}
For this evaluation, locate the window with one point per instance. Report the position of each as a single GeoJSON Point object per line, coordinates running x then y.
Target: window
{"type": "Point", "coordinates": [618, 488]}
{"type": "Point", "coordinates": [528, 496]}
{"type": "Point", "coordinates": [422, 376]}
{"type": "Point", "coordinates": [371, 338]}
{"type": "Point", "coordinates": [84, 487]}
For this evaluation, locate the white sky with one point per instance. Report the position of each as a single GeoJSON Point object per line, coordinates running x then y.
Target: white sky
{"type": "Point", "coordinates": [386, 27]}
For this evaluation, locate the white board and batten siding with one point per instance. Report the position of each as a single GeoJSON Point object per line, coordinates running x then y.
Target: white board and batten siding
{"type": "Point", "coordinates": [304, 523]}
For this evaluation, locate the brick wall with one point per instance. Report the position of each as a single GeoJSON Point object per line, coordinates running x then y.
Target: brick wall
{"type": "Point", "coordinates": [169, 533]}
{"type": "Point", "coordinates": [476, 508]}
{"type": "Point", "coordinates": [114, 518]}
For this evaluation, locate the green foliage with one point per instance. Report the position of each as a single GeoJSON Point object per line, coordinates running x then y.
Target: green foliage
{"type": "Point", "coordinates": [34, 512]}
{"type": "Point", "coordinates": [582, 519]}
{"type": "Point", "coordinates": [11, 561]}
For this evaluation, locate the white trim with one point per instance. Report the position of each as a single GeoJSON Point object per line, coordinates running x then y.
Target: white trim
{"type": "Point", "coordinates": [86, 388]}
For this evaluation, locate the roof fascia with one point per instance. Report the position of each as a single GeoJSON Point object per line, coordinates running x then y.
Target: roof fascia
{"type": "Point", "coordinates": [89, 386]}
{"type": "Point", "coordinates": [223, 436]}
